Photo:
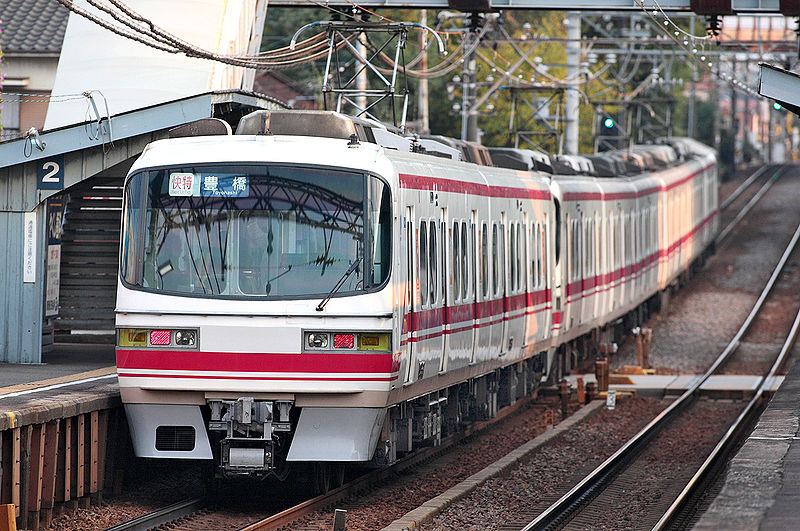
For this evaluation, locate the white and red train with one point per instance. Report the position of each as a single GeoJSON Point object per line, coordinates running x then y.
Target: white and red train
{"type": "Point", "coordinates": [315, 288]}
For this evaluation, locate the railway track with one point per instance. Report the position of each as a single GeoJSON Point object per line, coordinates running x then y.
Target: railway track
{"type": "Point", "coordinates": [771, 174]}
{"type": "Point", "coordinates": [201, 513]}
{"type": "Point", "coordinates": [577, 507]}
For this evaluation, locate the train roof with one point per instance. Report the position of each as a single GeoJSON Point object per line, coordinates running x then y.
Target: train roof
{"type": "Point", "coordinates": [636, 160]}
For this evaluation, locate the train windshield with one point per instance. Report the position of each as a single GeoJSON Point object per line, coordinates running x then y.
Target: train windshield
{"type": "Point", "coordinates": [255, 231]}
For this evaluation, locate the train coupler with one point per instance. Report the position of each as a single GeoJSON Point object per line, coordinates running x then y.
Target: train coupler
{"type": "Point", "coordinates": [251, 428]}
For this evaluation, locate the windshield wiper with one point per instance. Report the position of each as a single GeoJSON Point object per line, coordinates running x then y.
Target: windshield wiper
{"type": "Point", "coordinates": [339, 284]}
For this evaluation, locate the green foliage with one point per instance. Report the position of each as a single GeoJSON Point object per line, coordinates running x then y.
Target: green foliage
{"type": "Point", "coordinates": [544, 28]}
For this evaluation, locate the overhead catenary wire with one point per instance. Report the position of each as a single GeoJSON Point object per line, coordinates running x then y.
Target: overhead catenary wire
{"type": "Point", "coordinates": [149, 34]}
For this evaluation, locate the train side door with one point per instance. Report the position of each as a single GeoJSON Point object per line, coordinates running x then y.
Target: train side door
{"type": "Point", "coordinates": [443, 288]}
{"type": "Point", "coordinates": [473, 265]}
{"type": "Point", "coordinates": [503, 276]}
{"type": "Point", "coordinates": [411, 283]}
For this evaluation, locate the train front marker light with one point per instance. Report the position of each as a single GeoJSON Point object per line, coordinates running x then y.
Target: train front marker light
{"type": "Point", "coordinates": [132, 337]}
{"type": "Point", "coordinates": [343, 341]}
{"type": "Point", "coordinates": [317, 340]}
{"type": "Point", "coordinates": [160, 337]}
{"type": "Point", "coordinates": [185, 338]}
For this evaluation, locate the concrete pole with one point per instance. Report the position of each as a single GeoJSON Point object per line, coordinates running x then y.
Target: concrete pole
{"type": "Point", "coordinates": [469, 120]}
{"type": "Point", "coordinates": [361, 79]}
{"type": "Point", "coordinates": [770, 126]}
{"type": "Point", "coordinates": [691, 111]}
{"type": "Point", "coordinates": [571, 112]}
{"type": "Point", "coordinates": [746, 114]}
{"type": "Point", "coordinates": [424, 111]}
{"type": "Point", "coordinates": [715, 106]}
{"type": "Point", "coordinates": [734, 121]}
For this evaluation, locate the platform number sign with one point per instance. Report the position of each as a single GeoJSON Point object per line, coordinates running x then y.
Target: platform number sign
{"type": "Point", "coordinates": [51, 174]}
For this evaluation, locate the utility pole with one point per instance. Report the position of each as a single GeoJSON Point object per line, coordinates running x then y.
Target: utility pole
{"type": "Point", "coordinates": [746, 114]}
{"type": "Point", "coordinates": [691, 111]}
{"type": "Point", "coordinates": [469, 118]}
{"type": "Point", "coordinates": [770, 126]}
{"type": "Point", "coordinates": [571, 118]}
{"type": "Point", "coordinates": [424, 112]}
{"type": "Point", "coordinates": [715, 105]}
{"type": "Point", "coordinates": [734, 121]}
{"type": "Point", "coordinates": [361, 79]}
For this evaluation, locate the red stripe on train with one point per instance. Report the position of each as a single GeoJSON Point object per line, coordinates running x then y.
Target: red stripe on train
{"type": "Point", "coordinates": [187, 360]}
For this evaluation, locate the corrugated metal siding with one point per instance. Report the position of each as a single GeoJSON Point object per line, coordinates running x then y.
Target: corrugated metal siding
{"type": "Point", "coordinates": [20, 304]}
{"type": "Point", "coordinates": [18, 187]}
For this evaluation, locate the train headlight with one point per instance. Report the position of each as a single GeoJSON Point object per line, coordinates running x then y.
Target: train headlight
{"type": "Point", "coordinates": [373, 342]}
{"type": "Point", "coordinates": [317, 340]}
{"type": "Point", "coordinates": [132, 337]}
{"type": "Point", "coordinates": [185, 338]}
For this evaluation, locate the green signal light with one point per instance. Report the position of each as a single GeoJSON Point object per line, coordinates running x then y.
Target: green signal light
{"type": "Point", "coordinates": [777, 106]}
{"type": "Point", "coordinates": [608, 122]}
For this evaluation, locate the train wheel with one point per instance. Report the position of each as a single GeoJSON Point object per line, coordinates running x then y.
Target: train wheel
{"type": "Point", "coordinates": [323, 476]}
{"type": "Point", "coordinates": [213, 484]}
{"type": "Point", "coordinates": [338, 474]}
{"type": "Point", "coordinates": [282, 469]}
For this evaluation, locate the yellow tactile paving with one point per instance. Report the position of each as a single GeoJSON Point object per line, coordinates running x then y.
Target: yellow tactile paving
{"type": "Point", "coordinates": [61, 379]}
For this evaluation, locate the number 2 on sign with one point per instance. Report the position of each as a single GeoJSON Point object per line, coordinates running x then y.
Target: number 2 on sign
{"type": "Point", "coordinates": [52, 169]}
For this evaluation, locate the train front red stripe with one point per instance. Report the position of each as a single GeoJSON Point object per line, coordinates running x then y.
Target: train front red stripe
{"type": "Point", "coordinates": [184, 360]}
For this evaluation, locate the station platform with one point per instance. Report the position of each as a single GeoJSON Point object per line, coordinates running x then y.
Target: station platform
{"type": "Point", "coordinates": [61, 428]}
{"type": "Point", "coordinates": [761, 489]}
{"type": "Point", "coordinates": [659, 386]}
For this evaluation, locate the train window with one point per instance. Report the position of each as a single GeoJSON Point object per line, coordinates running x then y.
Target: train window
{"type": "Point", "coordinates": [256, 231]}
{"type": "Point", "coordinates": [423, 262]}
{"type": "Point", "coordinates": [432, 262]}
{"type": "Point", "coordinates": [485, 260]}
{"type": "Point", "coordinates": [525, 253]}
{"type": "Point", "coordinates": [513, 248]}
{"type": "Point", "coordinates": [520, 257]}
{"type": "Point", "coordinates": [464, 250]}
{"type": "Point", "coordinates": [456, 263]}
{"type": "Point", "coordinates": [495, 264]}
{"type": "Point", "coordinates": [473, 268]}
{"type": "Point", "coordinates": [502, 253]}
{"type": "Point", "coordinates": [537, 255]}
{"type": "Point", "coordinates": [380, 209]}
{"type": "Point", "coordinates": [443, 255]}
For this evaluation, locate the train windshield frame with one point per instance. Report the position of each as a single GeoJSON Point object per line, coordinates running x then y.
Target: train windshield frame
{"type": "Point", "coordinates": [255, 231]}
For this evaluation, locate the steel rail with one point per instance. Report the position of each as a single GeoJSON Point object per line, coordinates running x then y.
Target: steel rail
{"type": "Point", "coordinates": [361, 483]}
{"type": "Point", "coordinates": [581, 493]}
{"type": "Point", "coordinates": [744, 186]}
{"type": "Point", "coordinates": [162, 516]}
{"type": "Point", "coordinates": [725, 444]}
{"type": "Point", "coordinates": [750, 204]}
{"type": "Point", "coordinates": [187, 507]}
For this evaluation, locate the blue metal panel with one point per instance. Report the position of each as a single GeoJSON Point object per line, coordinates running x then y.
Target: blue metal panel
{"type": "Point", "coordinates": [18, 188]}
{"type": "Point", "coordinates": [20, 304]}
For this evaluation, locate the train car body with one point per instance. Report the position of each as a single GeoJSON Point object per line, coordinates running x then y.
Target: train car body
{"type": "Point", "coordinates": [300, 293]}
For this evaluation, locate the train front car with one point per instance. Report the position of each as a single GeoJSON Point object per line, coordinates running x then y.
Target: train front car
{"type": "Point", "coordinates": [254, 308]}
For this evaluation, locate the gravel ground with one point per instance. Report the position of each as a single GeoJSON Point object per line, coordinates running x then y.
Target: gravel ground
{"type": "Point", "coordinates": [384, 504]}
{"type": "Point", "coordinates": [541, 478]}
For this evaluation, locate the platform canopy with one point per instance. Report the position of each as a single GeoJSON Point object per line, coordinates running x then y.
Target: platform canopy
{"type": "Point", "coordinates": [701, 7]}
